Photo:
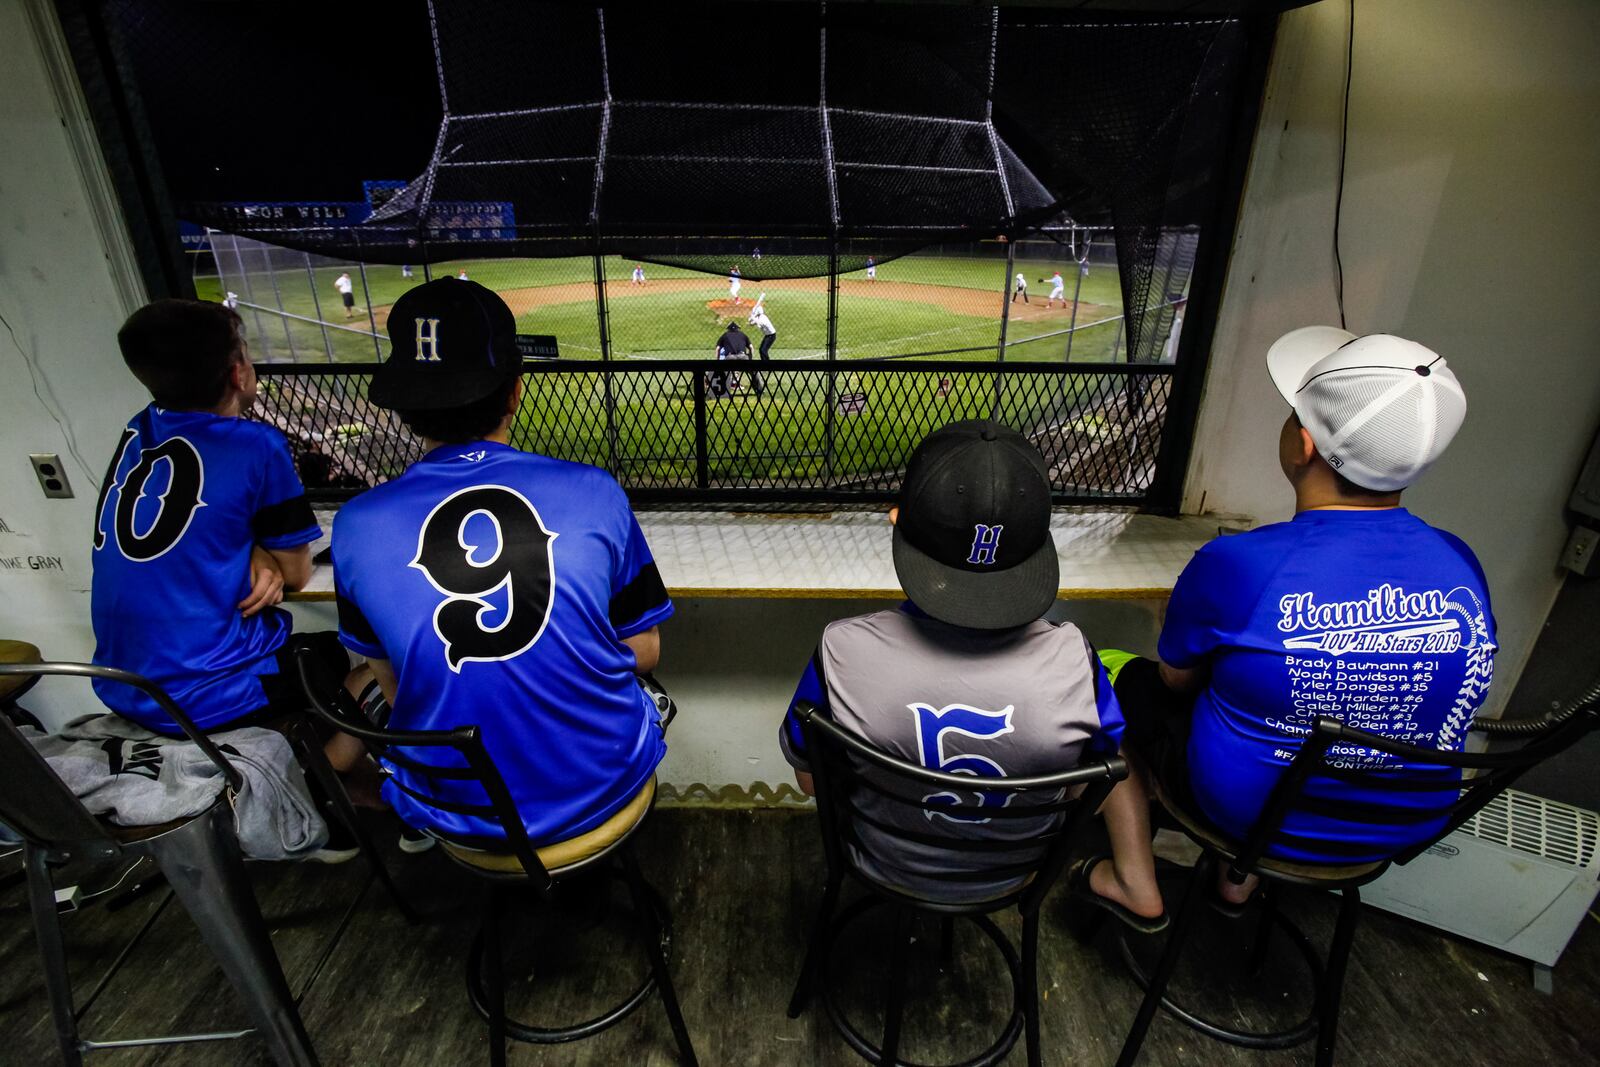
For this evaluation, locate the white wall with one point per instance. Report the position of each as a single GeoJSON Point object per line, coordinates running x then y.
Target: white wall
{"type": "Point", "coordinates": [66, 284]}
{"type": "Point", "coordinates": [1471, 223]}
{"type": "Point", "coordinates": [732, 665]}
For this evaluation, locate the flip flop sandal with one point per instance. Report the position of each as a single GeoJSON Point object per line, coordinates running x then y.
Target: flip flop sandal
{"type": "Point", "coordinates": [1078, 886]}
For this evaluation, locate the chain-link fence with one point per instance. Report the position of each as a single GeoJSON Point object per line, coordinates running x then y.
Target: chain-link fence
{"type": "Point", "coordinates": [740, 430]}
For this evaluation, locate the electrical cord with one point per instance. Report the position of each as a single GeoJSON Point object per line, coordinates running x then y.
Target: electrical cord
{"type": "Point", "coordinates": [51, 407]}
{"type": "Point", "coordinates": [1524, 727]}
{"type": "Point", "coordinates": [1344, 141]}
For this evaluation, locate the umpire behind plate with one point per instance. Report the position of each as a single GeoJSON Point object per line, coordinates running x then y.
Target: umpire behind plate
{"type": "Point", "coordinates": [733, 344]}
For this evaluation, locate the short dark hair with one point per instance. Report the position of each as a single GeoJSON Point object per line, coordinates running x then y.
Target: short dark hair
{"type": "Point", "coordinates": [467, 422]}
{"type": "Point", "coordinates": [1349, 488]}
{"type": "Point", "coordinates": [182, 351]}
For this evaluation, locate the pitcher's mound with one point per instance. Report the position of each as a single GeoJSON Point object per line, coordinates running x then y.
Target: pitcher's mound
{"type": "Point", "coordinates": [728, 307]}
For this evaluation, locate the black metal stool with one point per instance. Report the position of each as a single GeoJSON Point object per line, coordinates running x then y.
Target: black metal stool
{"type": "Point", "coordinates": [200, 857]}
{"type": "Point", "coordinates": [860, 788]}
{"type": "Point", "coordinates": [1427, 772]}
{"type": "Point", "coordinates": [512, 861]}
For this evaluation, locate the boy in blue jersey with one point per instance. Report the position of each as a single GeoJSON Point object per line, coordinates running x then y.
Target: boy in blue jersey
{"type": "Point", "coordinates": [201, 525]}
{"type": "Point", "coordinates": [1356, 609]}
{"type": "Point", "coordinates": [497, 587]}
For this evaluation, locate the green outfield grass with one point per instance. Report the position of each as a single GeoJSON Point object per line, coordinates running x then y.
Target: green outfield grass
{"type": "Point", "coordinates": [792, 431]}
{"type": "Point", "coordinates": [676, 323]}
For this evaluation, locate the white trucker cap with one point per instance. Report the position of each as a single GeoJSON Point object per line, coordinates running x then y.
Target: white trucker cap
{"type": "Point", "coordinates": [1380, 409]}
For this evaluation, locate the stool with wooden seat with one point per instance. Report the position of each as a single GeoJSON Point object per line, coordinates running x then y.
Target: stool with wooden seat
{"type": "Point", "coordinates": [1426, 772]}
{"type": "Point", "coordinates": [12, 686]}
{"type": "Point", "coordinates": [512, 862]}
{"type": "Point", "coordinates": [199, 856]}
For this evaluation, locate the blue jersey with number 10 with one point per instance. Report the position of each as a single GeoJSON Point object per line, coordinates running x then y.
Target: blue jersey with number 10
{"type": "Point", "coordinates": [186, 497]}
{"type": "Point", "coordinates": [500, 585]}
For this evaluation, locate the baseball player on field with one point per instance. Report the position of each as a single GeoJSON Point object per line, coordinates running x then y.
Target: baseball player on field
{"type": "Point", "coordinates": [735, 280]}
{"type": "Point", "coordinates": [638, 274]}
{"type": "Point", "coordinates": [1058, 291]}
{"type": "Point", "coordinates": [732, 345]}
{"type": "Point", "coordinates": [967, 668]}
{"type": "Point", "coordinates": [347, 293]}
{"type": "Point", "coordinates": [1021, 289]}
{"type": "Point", "coordinates": [494, 587]}
{"type": "Point", "coordinates": [201, 526]}
{"type": "Point", "coordinates": [872, 268]}
{"type": "Point", "coordinates": [769, 334]}
{"type": "Point", "coordinates": [405, 270]}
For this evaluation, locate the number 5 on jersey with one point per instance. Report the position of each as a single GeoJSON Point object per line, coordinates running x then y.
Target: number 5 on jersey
{"type": "Point", "coordinates": [484, 544]}
{"type": "Point", "coordinates": [935, 724]}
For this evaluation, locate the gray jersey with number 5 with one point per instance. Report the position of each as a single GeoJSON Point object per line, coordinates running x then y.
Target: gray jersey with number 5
{"type": "Point", "coordinates": [1010, 703]}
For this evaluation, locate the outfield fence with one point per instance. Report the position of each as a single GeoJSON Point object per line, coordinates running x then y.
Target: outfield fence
{"type": "Point", "coordinates": [736, 431]}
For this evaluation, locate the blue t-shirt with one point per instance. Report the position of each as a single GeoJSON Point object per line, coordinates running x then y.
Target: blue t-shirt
{"type": "Point", "coordinates": [500, 585]}
{"type": "Point", "coordinates": [186, 497]}
{"type": "Point", "coordinates": [1372, 617]}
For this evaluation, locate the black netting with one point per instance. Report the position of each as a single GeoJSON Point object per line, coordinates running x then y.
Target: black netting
{"type": "Point", "coordinates": [753, 430]}
{"type": "Point", "coordinates": [821, 134]}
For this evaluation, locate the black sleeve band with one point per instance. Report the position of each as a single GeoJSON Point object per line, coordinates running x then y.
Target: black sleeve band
{"type": "Point", "coordinates": [352, 622]}
{"type": "Point", "coordinates": [644, 593]}
{"type": "Point", "coordinates": [284, 517]}
{"type": "Point", "coordinates": [1094, 665]}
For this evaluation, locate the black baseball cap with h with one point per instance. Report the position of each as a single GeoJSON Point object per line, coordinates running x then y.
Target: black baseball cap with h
{"type": "Point", "coordinates": [972, 543]}
{"type": "Point", "coordinates": [450, 342]}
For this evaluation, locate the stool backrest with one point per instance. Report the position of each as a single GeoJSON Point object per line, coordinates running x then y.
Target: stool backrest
{"type": "Point", "coordinates": [976, 831]}
{"type": "Point", "coordinates": [462, 763]}
{"type": "Point", "coordinates": [1333, 751]}
{"type": "Point", "coordinates": [35, 802]}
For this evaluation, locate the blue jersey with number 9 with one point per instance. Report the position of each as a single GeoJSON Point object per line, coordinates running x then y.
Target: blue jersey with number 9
{"type": "Point", "coordinates": [500, 585]}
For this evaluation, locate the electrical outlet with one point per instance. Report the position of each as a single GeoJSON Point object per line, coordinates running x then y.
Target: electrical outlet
{"type": "Point", "coordinates": [51, 474]}
{"type": "Point", "coordinates": [1582, 547]}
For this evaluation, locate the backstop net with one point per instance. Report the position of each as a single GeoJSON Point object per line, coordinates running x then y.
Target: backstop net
{"type": "Point", "coordinates": [944, 211]}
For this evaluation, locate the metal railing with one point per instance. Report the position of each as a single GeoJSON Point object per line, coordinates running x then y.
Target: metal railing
{"type": "Point", "coordinates": [779, 431]}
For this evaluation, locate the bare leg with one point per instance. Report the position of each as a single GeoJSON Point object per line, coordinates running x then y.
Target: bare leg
{"type": "Point", "coordinates": [348, 755]}
{"type": "Point", "coordinates": [344, 752]}
{"type": "Point", "coordinates": [1235, 894]}
{"type": "Point", "coordinates": [1130, 877]}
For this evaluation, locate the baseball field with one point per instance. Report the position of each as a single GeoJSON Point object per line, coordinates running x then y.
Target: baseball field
{"type": "Point", "coordinates": [802, 429]}
{"type": "Point", "coordinates": [916, 304]}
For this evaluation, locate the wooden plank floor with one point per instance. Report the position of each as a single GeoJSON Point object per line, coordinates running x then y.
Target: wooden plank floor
{"type": "Point", "coordinates": [742, 886]}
